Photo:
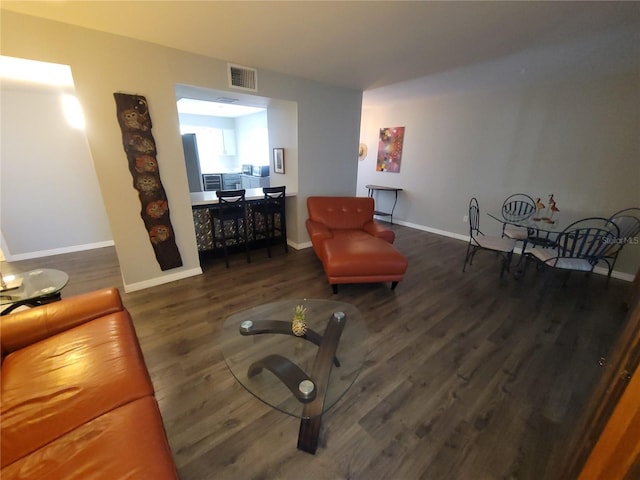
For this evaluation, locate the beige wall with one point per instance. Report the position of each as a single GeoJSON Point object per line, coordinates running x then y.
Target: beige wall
{"type": "Point", "coordinates": [103, 64]}
{"type": "Point", "coordinates": [575, 134]}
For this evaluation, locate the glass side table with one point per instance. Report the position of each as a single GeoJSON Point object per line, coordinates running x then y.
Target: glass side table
{"type": "Point", "coordinates": [32, 289]}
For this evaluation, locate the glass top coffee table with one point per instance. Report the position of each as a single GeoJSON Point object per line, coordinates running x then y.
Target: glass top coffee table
{"type": "Point", "coordinates": [302, 376]}
{"type": "Point", "coordinates": [32, 288]}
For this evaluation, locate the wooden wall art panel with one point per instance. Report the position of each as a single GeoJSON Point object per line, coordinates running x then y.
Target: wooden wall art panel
{"type": "Point", "coordinates": [140, 147]}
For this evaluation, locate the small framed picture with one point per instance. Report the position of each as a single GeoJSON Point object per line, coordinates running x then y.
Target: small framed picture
{"type": "Point", "coordinates": [278, 160]}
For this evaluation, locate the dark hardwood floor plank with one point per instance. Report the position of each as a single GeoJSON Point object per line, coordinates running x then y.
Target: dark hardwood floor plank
{"type": "Point", "coordinates": [467, 376]}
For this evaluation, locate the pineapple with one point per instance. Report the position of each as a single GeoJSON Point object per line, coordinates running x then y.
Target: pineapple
{"type": "Point", "coordinates": [298, 325]}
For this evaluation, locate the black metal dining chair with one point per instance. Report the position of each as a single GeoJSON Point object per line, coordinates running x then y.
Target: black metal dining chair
{"type": "Point", "coordinates": [231, 214]}
{"type": "Point", "coordinates": [628, 223]}
{"type": "Point", "coordinates": [578, 248]}
{"type": "Point", "coordinates": [273, 212]}
{"type": "Point", "coordinates": [480, 241]}
{"type": "Point", "coordinates": [516, 208]}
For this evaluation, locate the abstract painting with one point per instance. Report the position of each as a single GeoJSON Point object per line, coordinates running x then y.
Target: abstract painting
{"type": "Point", "coordinates": [390, 149]}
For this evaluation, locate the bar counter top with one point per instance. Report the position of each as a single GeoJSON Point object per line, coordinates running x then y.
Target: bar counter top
{"type": "Point", "coordinates": [210, 198]}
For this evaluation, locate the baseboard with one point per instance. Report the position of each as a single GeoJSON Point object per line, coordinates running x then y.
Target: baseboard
{"type": "Point", "coordinates": [56, 251]}
{"type": "Point", "coordinates": [299, 246]}
{"type": "Point", "coordinates": [437, 231]}
{"type": "Point", "coordinates": [627, 277]}
{"type": "Point", "coordinates": [154, 282]}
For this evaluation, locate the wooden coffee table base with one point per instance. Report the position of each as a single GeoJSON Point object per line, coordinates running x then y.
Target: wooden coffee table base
{"type": "Point", "coordinates": [308, 389]}
{"type": "Point", "coordinates": [32, 302]}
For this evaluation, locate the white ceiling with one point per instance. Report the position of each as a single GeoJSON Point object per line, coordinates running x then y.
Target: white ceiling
{"type": "Point", "coordinates": [355, 44]}
{"type": "Point", "coordinates": [215, 108]}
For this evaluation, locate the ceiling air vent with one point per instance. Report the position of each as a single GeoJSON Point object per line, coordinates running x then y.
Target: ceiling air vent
{"type": "Point", "coordinates": [244, 78]}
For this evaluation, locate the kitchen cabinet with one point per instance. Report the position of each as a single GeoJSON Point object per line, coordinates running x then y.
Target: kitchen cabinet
{"type": "Point", "coordinates": [228, 141]}
{"type": "Point", "coordinates": [249, 181]}
{"type": "Point", "coordinates": [231, 181]}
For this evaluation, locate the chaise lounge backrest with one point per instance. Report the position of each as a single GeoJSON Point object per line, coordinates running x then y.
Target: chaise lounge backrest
{"type": "Point", "coordinates": [339, 213]}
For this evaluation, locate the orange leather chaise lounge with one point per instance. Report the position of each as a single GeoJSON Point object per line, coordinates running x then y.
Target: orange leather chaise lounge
{"type": "Point", "coordinates": [351, 245]}
{"type": "Point", "coordinates": [77, 401]}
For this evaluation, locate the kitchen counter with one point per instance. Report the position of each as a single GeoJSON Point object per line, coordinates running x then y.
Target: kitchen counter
{"type": "Point", "coordinates": [202, 202]}
{"type": "Point", "coordinates": [199, 199]}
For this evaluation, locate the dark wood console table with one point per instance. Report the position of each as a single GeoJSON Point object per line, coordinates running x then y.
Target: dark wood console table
{"type": "Point", "coordinates": [380, 188]}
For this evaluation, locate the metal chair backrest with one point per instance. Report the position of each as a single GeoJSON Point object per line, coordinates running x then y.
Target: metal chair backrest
{"type": "Point", "coordinates": [588, 239]}
{"type": "Point", "coordinates": [628, 222]}
{"type": "Point", "coordinates": [518, 207]}
{"type": "Point", "coordinates": [231, 196]}
{"type": "Point", "coordinates": [273, 201]}
{"type": "Point", "coordinates": [474, 218]}
{"type": "Point", "coordinates": [231, 203]}
{"type": "Point", "coordinates": [274, 192]}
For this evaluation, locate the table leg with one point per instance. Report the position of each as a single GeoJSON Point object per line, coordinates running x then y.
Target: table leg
{"type": "Point", "coordinates": [393, 209]}
{"type": "Point", "coordinates": [258, 327]}
{"type": "Point", "coordinates": [32, 302]}
{"type": "Point", "coordinates": [312, 389]}
{"type": "Point", "coordinates": [289, 373]}
{"type": "Point", "coordinates": [312, 411]}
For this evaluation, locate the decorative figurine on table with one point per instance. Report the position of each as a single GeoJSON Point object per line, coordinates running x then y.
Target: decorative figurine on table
{"type": "Point", "coordinates": [299, 325]}
{"type": "Point", "coordinates": [539, 206]}
{"type": "Point", "coordinates": [546, 212]}
{"type": "Point", "coordinates": [554, 209]}
{"type": "Point", "coordinates": [546, 217]}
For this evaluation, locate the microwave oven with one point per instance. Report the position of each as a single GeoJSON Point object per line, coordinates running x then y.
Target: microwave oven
{"type": "Point", "coordinates": [247, 169]}
{"type": "Point", "coordinates": [260, 171]}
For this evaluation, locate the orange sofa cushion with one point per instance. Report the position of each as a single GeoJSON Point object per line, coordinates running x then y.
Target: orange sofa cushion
{"type": "Point", "coordinates": [51, 387]}
{"type": "Point", "coordinates": [116, 445]}
{"type": "Point", "coordinates": [351, 252]}
{"type": "Point", "coordinates": [21, 329]}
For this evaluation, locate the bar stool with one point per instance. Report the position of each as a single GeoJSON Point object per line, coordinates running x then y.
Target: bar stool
{"type": "Point", "coordinates": [273, 204]}
{"type": "Point", "coordinates": [231, 208]}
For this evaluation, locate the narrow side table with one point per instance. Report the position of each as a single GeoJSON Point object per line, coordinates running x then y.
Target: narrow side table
{"type": "Point", "coordinates": [376, 188]}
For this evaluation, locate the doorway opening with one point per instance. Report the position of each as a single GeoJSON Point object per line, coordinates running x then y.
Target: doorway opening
{"type": "Point", "coordinates": [224, 135]}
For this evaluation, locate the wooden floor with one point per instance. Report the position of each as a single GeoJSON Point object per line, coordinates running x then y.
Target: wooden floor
{"type": "Point", "coordinates": [467, 377]}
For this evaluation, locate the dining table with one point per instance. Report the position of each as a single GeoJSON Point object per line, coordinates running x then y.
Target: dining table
{"type": "Point", "coordinates": [542, 230]}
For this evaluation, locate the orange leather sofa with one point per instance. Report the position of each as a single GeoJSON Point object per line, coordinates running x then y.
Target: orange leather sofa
{"type": "Point", "coordinates": [352, 246]}
{"type": "Point", "coordinates": [76, 398]}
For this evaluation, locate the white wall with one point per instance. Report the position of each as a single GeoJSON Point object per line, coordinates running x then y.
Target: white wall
{"type": "Point", "coordinates": [328, 126]}
{"type": "Point", "coordinates": [282, 122]}
{"type": "Point", "coordinates": [252, 139]}
{"type": "Point", "coordinates": [214, 163]}
{"type": "Point", "coordinates": [488, 131]}
{"type": "Point", "coordinates": [50, 198]}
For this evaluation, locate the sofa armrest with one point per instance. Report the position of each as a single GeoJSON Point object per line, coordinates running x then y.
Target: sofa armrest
{"type": "Point", "coordinates": [20, 329]}
{"type": "Point", "coordinates": [377, 230]}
